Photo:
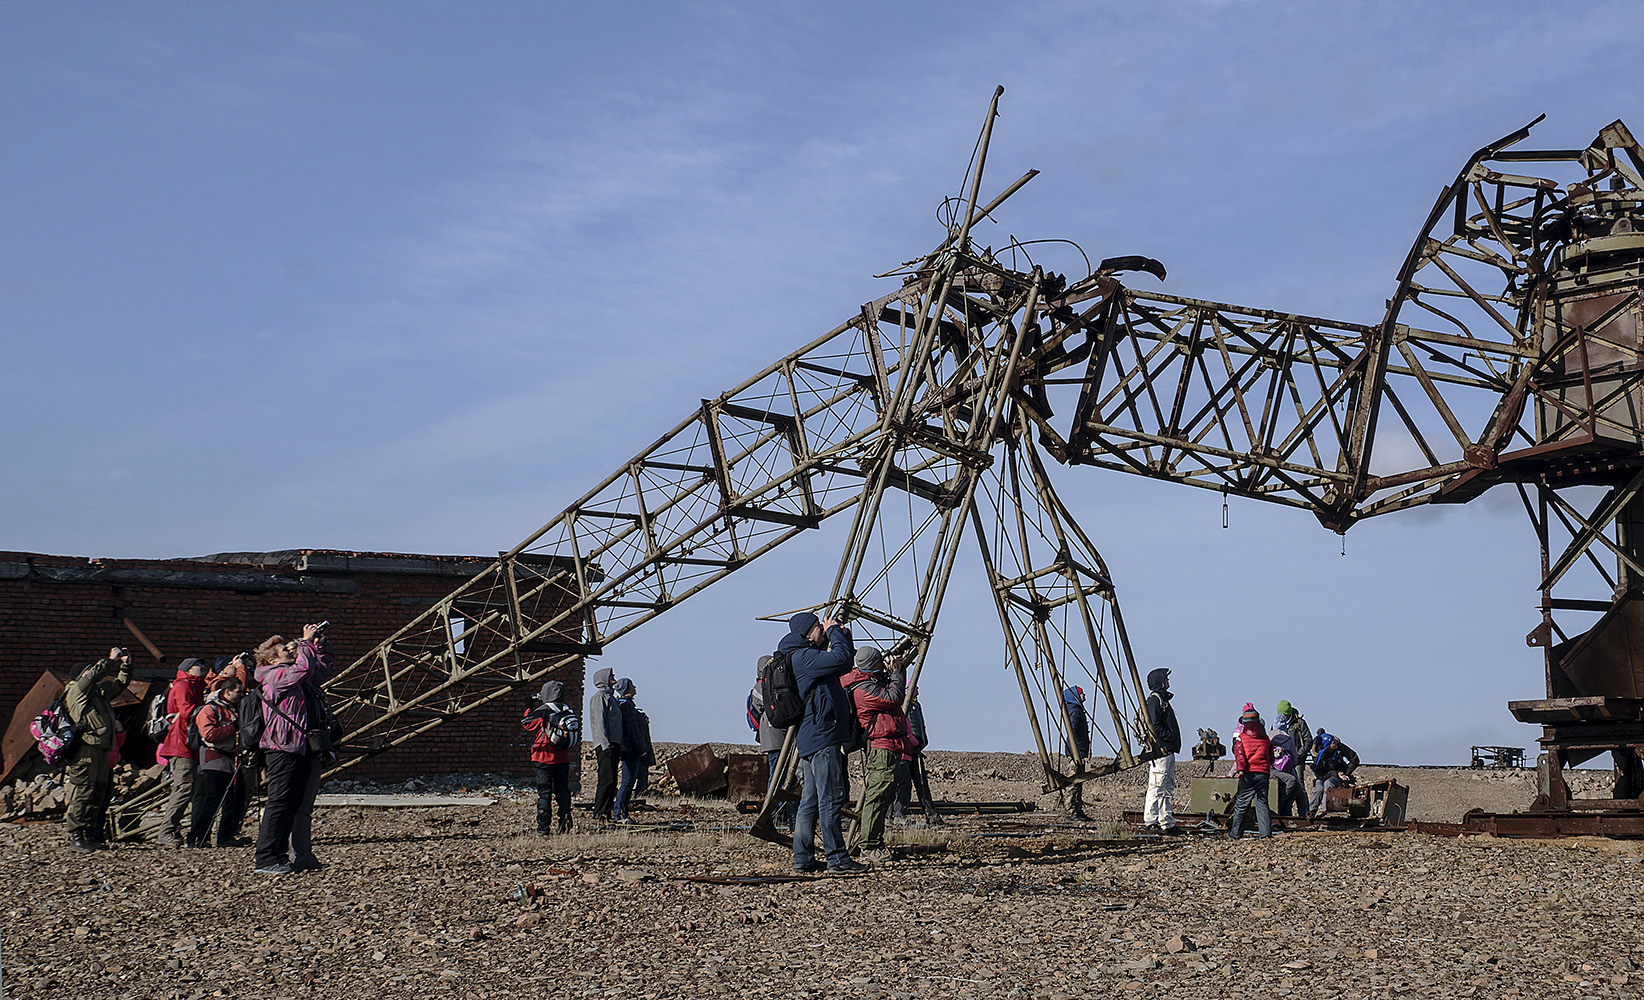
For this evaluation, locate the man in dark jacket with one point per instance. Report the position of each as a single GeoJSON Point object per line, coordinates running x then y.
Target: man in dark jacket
{"type": "Point", "coordinates": [1332, 763]}
{"type": "Point", "coordinates": [87, 701]}
{"type": "Point", "coordinates": [821, 652]}
{"type": "Point", "coordinates": [1159, 812]}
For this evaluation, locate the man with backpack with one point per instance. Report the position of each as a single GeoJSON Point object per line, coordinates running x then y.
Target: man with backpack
{"type": "Point", "coordinates": [182, 761]}
{"type": "Point", "coordinates": [88, 701]}
{"type": "Point", "coordinates": [558, 730]}
{"type": "Point", "coordinates": [819, 653]}
{"type": "Point", "coordinates": [876, 687]}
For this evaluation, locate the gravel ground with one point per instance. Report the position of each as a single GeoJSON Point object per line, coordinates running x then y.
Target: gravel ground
{"type": "Point", "coordinates": [457, 901]}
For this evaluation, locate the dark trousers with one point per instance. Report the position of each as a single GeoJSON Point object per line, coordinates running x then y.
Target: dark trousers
{"type": "Point", "coordinates": [232, 812]}
{"type": "Point", "coordinates": [553, 788]}
{"type": "Point", "coordinates": [1252, 790]}
{"type": "Point", "coordinates": [210, 787]}
{"type": "Point", "coordinates": [605, 791]}
{"type": "Point", "coordinates": [911, 780]}
{"type": "Point", "coordinates": [287, 780]}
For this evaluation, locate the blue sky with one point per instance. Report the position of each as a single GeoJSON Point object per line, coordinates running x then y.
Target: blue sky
{"type": "Point", "coordinates": [413, 277]}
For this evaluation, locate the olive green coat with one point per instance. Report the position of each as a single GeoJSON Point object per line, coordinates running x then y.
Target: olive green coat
{"type": "Point", "coordinates": [87, 700]}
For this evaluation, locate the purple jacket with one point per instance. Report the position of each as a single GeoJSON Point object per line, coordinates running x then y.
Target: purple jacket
{"type": "Point", "coordinates": [285, 693]}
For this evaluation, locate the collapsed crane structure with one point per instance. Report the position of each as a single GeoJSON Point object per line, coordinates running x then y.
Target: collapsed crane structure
{"type": "Point", "coordinates": [1512, 352]}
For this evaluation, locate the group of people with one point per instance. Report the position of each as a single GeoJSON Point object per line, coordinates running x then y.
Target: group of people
{"type": "Point", "coordinates": [263, 716]}
{"type": "Point", "coordinates": [1260, 757]}
{"type": "Point", "coordinates": [848, 695]}
{"type": "Point", "coordinates": [620, 733]}
{"type": "Point", "coordinates": [253, 716]}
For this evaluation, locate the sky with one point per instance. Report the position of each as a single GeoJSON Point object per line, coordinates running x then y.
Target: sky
{"type": "Point", "coordinates": [414, 277]}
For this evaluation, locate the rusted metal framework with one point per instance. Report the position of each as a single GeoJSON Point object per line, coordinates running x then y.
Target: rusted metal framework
{"type": "Point", "coordinates": [1511, 352]}
{"type": "Point", "coordinates": [1527, 369]}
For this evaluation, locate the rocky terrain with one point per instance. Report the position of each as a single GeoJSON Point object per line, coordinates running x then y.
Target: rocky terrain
{"type": "Point", "coordinates": [458, 901]}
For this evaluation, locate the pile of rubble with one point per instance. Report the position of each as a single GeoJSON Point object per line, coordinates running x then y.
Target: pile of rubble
{"type": "Point", "coordinates": [43, 795]}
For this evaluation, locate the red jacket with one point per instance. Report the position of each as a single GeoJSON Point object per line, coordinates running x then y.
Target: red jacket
{"type": "Point", "coordinates": [218, 723]}
{"type": "Point", "coordinates": [878, 709]}
{"type": "Point", "coordinates": [186, 696]}
{"type": "Point", "coordinates": [1251, 751]}
{"type": "Point", "coordinates": [542, 751]}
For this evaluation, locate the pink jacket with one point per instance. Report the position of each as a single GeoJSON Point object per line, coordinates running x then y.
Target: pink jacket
{"type": "Point", "coordinates": [285, 695]}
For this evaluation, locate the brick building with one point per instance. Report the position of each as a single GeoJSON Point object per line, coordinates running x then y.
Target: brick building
{"type": "Point", "coordinates": [56, 611]}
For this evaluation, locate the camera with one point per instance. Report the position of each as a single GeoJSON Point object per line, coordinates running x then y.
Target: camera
{"type": "Point", "coordinates": [321, 627]}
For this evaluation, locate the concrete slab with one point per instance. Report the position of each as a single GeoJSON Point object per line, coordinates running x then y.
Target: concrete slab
{"type": "Point", "coordinates": [402, 800]}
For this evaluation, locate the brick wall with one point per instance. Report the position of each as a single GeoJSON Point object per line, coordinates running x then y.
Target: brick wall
{"type": "Point", "coordinates": [56, 611]}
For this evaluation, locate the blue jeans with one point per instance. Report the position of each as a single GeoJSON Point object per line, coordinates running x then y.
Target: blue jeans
{"type": "Point", "coordinates": [821, 800]}
{"type": "Point", "coordinates": [625, 787]}
{"type": "Point", "coordinates": [1252, 788]}
{"type": "Point", "coordinates": [783, 813]}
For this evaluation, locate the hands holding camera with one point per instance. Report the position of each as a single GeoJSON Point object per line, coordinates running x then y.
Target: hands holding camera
{"type": "Point", "coordinates": [120, 654]}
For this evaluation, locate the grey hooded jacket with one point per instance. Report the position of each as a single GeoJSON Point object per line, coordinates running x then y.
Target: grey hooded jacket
{"type": "Point", "coordinates": [603, 726]}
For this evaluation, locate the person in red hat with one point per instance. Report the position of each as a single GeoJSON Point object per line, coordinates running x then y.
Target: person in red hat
{"type": "Point", "coordinates": [1252, 765]}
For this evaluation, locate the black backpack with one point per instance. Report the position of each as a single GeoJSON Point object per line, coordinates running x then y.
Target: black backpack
{"type": "Point", "coordinates": [783, 705]}
{"type": "Point", "coordinates": [858, 739]}
{"type": "Point", "coordinates": [253, 720]}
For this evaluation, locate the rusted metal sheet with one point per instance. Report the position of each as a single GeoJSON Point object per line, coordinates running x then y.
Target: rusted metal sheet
{"type": "Point", "coordinates": [746, 776]}
{"type": "Point", "coordinates": [698, 771]}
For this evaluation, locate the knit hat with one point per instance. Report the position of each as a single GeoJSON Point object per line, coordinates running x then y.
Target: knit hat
{"type": "Point", "coordinates": [1249, 713]}
{"type": "Point", "coordinates": [624, 688]}
{"type": "Point", "coordinates": [802, 623]}
{"type": "Point", "coordinates": [870, 660]}
{"type": "Point", "coordinates": [1284, 707]}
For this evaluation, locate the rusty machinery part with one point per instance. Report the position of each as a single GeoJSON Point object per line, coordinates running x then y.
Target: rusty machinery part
{"type": "Point", "coordinates": [1209, 747]}
{"type": "Point", "coordinates": [1525, 369]}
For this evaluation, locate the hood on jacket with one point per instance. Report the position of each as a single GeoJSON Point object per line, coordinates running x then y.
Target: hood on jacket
{"type": "Point", "coordinates": [802, 623]}
{"type": "Point", "coordinates": [1323, 741]}
{"type": "Point", "coordinates": [763, 664]}
{"type": "Point", "coordinates": [1253, 728]}
{"type": "Point", "coordinates": [624, 688]}
{"type": "Point", "coordinates": [870, 660]}
{"type": "Point", "coordinates": [604, 678]}
{"type": "Point", "coordinates": [1158, 680]}
{"type": "Point", "coordinates": [1074, 695]}
{"type": "Point", "coordinates": [551, 692]}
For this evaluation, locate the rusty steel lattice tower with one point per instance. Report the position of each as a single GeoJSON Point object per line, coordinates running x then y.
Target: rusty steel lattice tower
{"type": "Point", "coordinates": [1511, 353]}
